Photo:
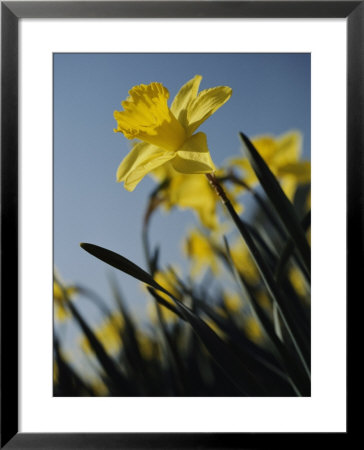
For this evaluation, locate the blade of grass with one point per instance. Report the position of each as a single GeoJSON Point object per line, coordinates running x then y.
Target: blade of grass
{"type": "Point", "coordinates": [172, 356]}
{"type": "Point", "coordinates": [293, 310]}
{"type": "Point", "coordinates": [121, 263]}
{"type": "Point", "coordinates": [129, 338]}
{"type": "Point", "coordinates": [235, 335]}
{"type": "Point", "coordinates": [166, 304]}
{"type": "Point", "coordinates": [264, 270]}
{"type": "Point", "coordinates": [288, 251]}
{"type": "Point", "coordinates": [70, 384]}
{"type": "Point", "coordinates": [238, 373]}
{"type": "Point", "coordinates": [279, 200]}
{"type": "Point", "coordinates": [120, 383]}
{"type": "Point", "coordinates": [94, 298]}
{"type": "Point", "coordinates": [154, 201]}
{"type": "Point", "coordinates": [294, 373]}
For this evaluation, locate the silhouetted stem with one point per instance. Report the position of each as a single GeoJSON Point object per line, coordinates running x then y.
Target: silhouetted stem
{"type": "Point", "coordinates": [154, 201]}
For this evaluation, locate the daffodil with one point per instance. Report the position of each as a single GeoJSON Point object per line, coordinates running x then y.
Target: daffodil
{"type": "Point", "coordinates": [61, 295]}
{"type": "Point", "coordinates": [298, 281]}
{"type": "Point", "coordinates": [149, 347]}
{"type": "Point", "coordinates": [263, 299]}
{"type": "Point", "coordinates": [200, 251]}
{"type": "Point", "coordinates": [98, 387]}
{"type": "Point", "coordinates": [166, 279]}
{"type": "Point", "coordinates": [188, 192]}
{"type": "Point", "coordinates": [108, 333]}
{"type": "Point", "coordinates": [253, 330]}
{"type": "Point", "coordinates": [282, 155]}
{"type": "Point", "coordinates": [232, 302]}
{"type": "Point", "coordinates": [167, 133]}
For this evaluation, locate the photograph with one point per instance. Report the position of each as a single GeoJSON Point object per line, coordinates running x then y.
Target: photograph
{"type": "Point", "coordinates": [181, 224]}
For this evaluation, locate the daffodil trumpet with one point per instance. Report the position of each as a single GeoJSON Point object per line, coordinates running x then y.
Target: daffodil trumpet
{"type": "Point", "coordinates": [167, 134]}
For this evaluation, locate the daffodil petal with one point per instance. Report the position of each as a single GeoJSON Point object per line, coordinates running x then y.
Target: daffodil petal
{"type": "Point", "coordinates": [143, 158]}
{"type": "Point", "coordinates": [139, 173]}
{"type": "Point", "coordinates": [140, 151]}
{"type": "Point", "coordinates": [194, 156]}
{"type": "Point", "coordinates": [205, 104]}
{"type": "Point", "coordinates": [301, 171]}
{"type": "Point", "coordinates": [182, 193]}
{"type": "Point", "coordinates": [266, 146]}
{"type": "Point", "coordinates": [163, 172]}
{"type": "Point", "coordinates": [288, 148]}
{"type": "Point", "coordinates": [289, 187]}
{"type": "Point", "coordinates": [185, 95]}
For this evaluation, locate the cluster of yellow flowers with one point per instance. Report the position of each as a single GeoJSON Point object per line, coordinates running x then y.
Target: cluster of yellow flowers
{"type": "Point", "coordinates": [169, 148]}
{"type": "Point", "coordinates": [282, 155]}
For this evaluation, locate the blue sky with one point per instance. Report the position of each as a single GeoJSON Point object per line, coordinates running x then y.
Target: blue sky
{"type": "Point", "coordinates": [271, 94]}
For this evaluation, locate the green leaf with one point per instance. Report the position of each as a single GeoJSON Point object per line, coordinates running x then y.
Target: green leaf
{"type": "Point", "coordinates": [221, 353]}
{"type": "Point", "coordinates": [119, 383]}
{"type": "Point", "coordinates": [235, 369]}
{"type": "Point", "coordinates": [294, 375]}
{"type": "Point", "coordinates": [279, 200]}
{"type": "Point", "coordinates": [128, 334]}
{"type": "Point", "coordinates": [121, 263]}
{"type": "Point", "coordinates": [288, 251]}
{"type": "Point", "coordinates": [267, 276]}
{"type": "Point", "coordinates": [164, 303]}
{"type": "Point", "coordinates": [69, 383]}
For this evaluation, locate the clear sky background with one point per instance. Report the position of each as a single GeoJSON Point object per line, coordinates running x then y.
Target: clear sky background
{"type": "Point", "coordinates": [271, 94]}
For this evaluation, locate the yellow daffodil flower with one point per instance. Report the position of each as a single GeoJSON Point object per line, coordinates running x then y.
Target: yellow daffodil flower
{"type": "Point", "coordinates": [189, 191]}
{"type": "Point", "coordinates": [200, 250]}
{"type": "Point", "coordinates": [108, 333]}
{"type": "Point", "coordinates": [264, 300]}
{"type": "Point", "coordinates": [282, 156]}
{"type": "Point", "coordinates": [61, 295]}
{"type": "Point", "coordinates": [99, 387]}
{"type": "Point", "coordinates": [167, 134]}
{"type": "Point", "coordinates": [253, 330]}
{"type": "Point", "coordinates": [168, 316]}
{"type": "Point", "coordinates": [182, 189]}
{"type": "Point", "coordinates": [298, 281]}
{"type": "Point", "coordinates": [232, 302]}
{"type": "Point", "coordinates": [149, 347]}
{"type": "Point", "coordinates": [167, 280]}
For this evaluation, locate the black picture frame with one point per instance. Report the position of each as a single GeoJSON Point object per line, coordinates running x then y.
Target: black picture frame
{"type": "Point", "coordinates": [11, 12]}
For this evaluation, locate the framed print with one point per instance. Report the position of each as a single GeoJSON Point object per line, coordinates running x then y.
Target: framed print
{"type": "Point", "coordinates": [182, 313]}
